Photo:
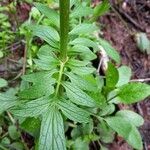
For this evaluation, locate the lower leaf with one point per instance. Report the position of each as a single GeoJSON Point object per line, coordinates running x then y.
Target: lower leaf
{"type": "Point", "coordinates": [52, 131]}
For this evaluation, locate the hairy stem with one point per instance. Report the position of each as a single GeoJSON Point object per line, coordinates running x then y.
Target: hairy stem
{"type": "Point", "coordinates": [64, 27]}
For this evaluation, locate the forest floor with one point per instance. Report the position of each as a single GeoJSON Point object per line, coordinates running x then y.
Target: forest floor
{"type": "Point", "coordinates": [120, 31]}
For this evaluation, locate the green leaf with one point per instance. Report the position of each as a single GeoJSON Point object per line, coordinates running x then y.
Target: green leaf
{"type": "Point", "coordinates": [47, 33]}
{"type": "Point", "coordinates": [107, 110]}
{"type": "Point", "coordinates": [133, 92]}
{"type": "Point", "coordinates": [37, 76]}
{"type": "Point", "coordinates": [77, 96]}
{"type": "Point", "coordinates": [102, 8]}
{"type": "Point", "coordinates": [1, 54]}
{"type": "Point", "coordinates": [143, 42]}
{"type": "Point", "coordinates": [106, 133]}
{"type": "Point", "coordinates": [87, 128]}
{"type": "Point", "coordinates": [77, 63]}
{"type": "Point", "coordinates": [127, 130]}
{"type": "Point", "coordinates": [13, 133]}
{"type": "Point", "coordinates": [82, 70]}
{"type": "Point", "coordinates": [47, 59]}
{"type": "Point", "coordinates": [5, 141]}
{"type": "Point", "coordinates": [112, 76]}
{"type": "Point", "coordinates": [85, 42]}
{"type": "Point", "coordinates": [111, 52]}
{"type": "Point", "coordinates": [131, 116]}
{"type": "Point", "coordinates": [3, 82]}
{"type": "Point", "coordinates": [31, 126]}
{"type": "Point", "coordinates": [32, 108]}
{"type": "Point", "coordinates": [47, 52]}
{"type": "Point", "coordinates": [83, 51]}
{"type": "Point", "coordinates": [87, 83]}
{"type": "Point", "coordinates": [43, 86]}
{"type": "Point", "coordinates": [124, 75]}
{"type": "Point", "coordinates": [73, 112]}
{"type": "Point", "coordinates": [80, 144]}
{"type": "Point", "coordinates": [17, 146]}
{"type": "Point", "coordinates": [52, 131]}
{"type": "Point", "coordinates": [84, 28]}
{"type": "Point", "coordinates": [81, 11]}
{"type": "Point", "coordinates": [7, 101]}
{"type": "Point", "coordinates": [51, 14]}
{"type": "Point", "coordinates": [46, 64]}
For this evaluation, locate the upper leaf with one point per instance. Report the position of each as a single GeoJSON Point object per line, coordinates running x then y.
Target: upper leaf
{"type": "Point", "coordinates": [52, 131]}
{"type": "Point", "coordinates": [76, 95]}
{"type": "Point", "coordinates": [84, 52]}
{"type": "Point", "coordinates": [47, 59]}
{"type": "Point", "coordinates": [48, 34]}
{"type": "Point", "coordinates": [49, 13]}
{"type": "Point", "coordinates": [101, 8]}
{"type": "Point", "coordinates": [81, 11]}
{"type": "Point", "coordinates": [84, 29]}
{"type": "Point", "coordinates": [73, 112]}
{"type": "Point", "coordinates": [85, 42]}
{"type": "Point", "coordinates": [133, 92]}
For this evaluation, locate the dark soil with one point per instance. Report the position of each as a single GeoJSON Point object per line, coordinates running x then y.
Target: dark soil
{"type": "Point", "coordinates": [119, 30]}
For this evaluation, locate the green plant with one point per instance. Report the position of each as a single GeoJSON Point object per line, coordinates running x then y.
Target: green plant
{"type": "Point", "coordinates": [6, 34]}
{"type": "Point", "coordinates": [65, 88]}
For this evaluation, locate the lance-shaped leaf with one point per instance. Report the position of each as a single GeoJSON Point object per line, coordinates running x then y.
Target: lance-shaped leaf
{"type": "Point", "coordinates": [49, 13]}
{"type": "Point", "coordinates": [41, 87]}
{"type": "Point", "coordinates": [81, 11]}
{"type": "Point", "coordinates": [84, 28]}
{"type": "Point", "coordinates": [52, 131]}
{"type": "Point", "coordinates": [87, 83]}
{"type": "Point", "coordinates": [73, 112]}
{"type": "Point", "coordinates": [35, 77]}
{"type": "Point", "coordinates": [126, 129]}
{"type": "Point", "coordinates": [7, 102]}
{"type": "Point", "coordinates": [47, 59]}
{"type": "Point", "coordinates": [101, 9]}
{"type": "Point", "coordinates": [47, 33]}
{"type": "Point", "coordinates": [77, 63]}
{"type": "Point", "coordinates": [82, 70]}
{"type": "Point", "coordinates": [85, 42]}
{"type": "Point", "coordinates": [133, 92]}
{"type": "Point", "coordinates": [76, 95]}
{"type": "Point", "coordinates": [83, 51]}
{"type": "Point", "coordinates": [32, 108]}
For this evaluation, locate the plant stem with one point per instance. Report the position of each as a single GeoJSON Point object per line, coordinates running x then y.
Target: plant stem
{"type": "Point", "coordinates": [64, 27]}
{"type": "Point", "coordinates": [59, 78]}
